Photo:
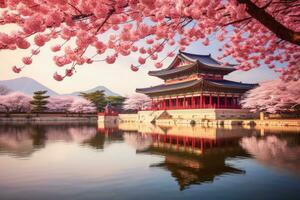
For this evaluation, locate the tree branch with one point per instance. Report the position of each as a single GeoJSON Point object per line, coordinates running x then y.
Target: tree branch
{"type": "Point", "coordinates": [271, 23]}
{"type": "Point", "coordinates": [237, 21]}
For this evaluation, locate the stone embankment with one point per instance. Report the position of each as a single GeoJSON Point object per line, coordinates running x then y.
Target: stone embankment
{"type": "Point", "coordinates": [47, 117]}
{"type": "Point", "coordinates": [135, 118]}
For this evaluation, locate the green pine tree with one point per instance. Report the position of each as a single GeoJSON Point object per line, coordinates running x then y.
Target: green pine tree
{"type": "Point", "coordinates": [39, 101]}
{"type": "Point", "coordinates": [96, 97]}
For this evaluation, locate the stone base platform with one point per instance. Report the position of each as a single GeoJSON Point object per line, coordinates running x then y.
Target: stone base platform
{"type": "Point", "coordinates": [171, 117]}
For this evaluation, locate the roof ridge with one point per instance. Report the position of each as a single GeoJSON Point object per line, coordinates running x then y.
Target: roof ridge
{"type": "Point", "coordinates": [207, 55]}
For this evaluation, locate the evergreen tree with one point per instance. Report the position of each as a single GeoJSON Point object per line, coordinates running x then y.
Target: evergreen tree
{"type": "Point", "coordinates": [115, 100]}
{"type": "Point", "coordinates": [39, 101]}
{"type": "Point", "coordinates": [97, 98]}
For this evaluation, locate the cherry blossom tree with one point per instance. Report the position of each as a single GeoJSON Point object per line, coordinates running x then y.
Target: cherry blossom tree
{"type": "Point", "coordinates": [4, 90]}
{"type": "Point", "coordinates": [15, 102]}
{"type": "Point", "coordinates": [59, 103]}
{"type": "Point", "coordinates": [137, 102]}
{"type": "Point", "coordinates": [264, 32]}
{"type": "Point", "coordinates": [273, 96]}
{"type": "Point", "coordinates": [80, 105]}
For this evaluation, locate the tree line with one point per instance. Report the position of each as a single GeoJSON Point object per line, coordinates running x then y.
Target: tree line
{"type": "Point", "coordinates": [40, 102]}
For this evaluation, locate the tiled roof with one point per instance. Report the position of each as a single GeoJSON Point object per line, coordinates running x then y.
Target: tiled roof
{"type": "Point", "coordinates": [205, 59]}
{"type": "Point", "coordinates": [168, 87]}
{"type": "Point", "coordinates": [193, 83]}
{"type": "Point", "coordinates": [206, 62]}
{"type": "Point", "coordinates": [233, 84]}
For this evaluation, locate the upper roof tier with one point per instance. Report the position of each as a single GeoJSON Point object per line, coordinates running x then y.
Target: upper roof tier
{"type": "Point", "coordinates": [187, 63]}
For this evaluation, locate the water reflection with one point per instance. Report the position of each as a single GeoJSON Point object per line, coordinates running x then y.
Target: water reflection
{"type": "Point", "coordinates": [189, 155]}
{"type": "Point", "coordinates": [281, 152]}
{"type": "Point", "coordinates": [197, 155]}
{"type": "Point", "coordinates": [21, 140]}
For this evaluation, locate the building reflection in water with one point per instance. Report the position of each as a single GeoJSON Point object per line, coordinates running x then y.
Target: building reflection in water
{"type": "Point", "coordinates": [197, 156]}
{"type": "Point", "coordinates": [192, 155]}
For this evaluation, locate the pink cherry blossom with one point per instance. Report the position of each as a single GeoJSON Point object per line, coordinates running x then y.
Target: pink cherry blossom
{"type": "Point", "coordinates": [134, 68]}
{"type": "Point", "coordinates": [40, 40]}
{"type": "Point", "coordinates": [58, 77]}
{"type": "Point", "coordinates": [16, 69]}
{"type": "Point", "coordinates": [273, 96]}
{"type": "Point", "coordinates": [15, 102]}
{"type": "Point", "coordinates": [80, 105]}
{"type": "Point", "coordinates": [56, 48]}
{"type": "Point", "coordinates": [110, 59]}
{"type": "Point", "coordinates": [158, 65]}
{"type": "Point", "coordinates": [137, 102]}
{"type": "Point", "coordinates": [142, 60]}
{"type": "Point", "coordinates": [152, 28]}
{"type": "Point", "coordinates": [27, 60]}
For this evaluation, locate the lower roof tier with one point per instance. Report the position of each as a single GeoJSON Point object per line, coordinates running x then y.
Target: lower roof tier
{"type": "Point", "coordinates": [198, 85]}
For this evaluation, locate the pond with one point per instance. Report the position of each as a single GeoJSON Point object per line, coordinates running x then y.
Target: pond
{"type": "Point", "coordinates": [87, 161]}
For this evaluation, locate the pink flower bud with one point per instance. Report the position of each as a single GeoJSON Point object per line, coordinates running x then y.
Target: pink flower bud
{"type": "Point", "coordinates": [27, 60]}
{"type": "Point", "coordinates": [58, 77]}
{"type": "Point", "coordinates": [134, 68]}
{"type": "Point", "coordinates": [16, 69]}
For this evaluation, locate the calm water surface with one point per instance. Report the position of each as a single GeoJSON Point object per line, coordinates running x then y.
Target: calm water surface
{"type": "Point", "coordinates": [71, 161]}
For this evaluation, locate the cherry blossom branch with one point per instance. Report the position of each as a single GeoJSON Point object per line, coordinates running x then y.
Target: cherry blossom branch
{"type": "Point", "coordinates": [272, 24]}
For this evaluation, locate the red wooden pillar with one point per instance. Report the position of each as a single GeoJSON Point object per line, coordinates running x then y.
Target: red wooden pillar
{"type": "Point", "coordinates": [184, 102]}
{"type": "Point", "coordinates": [202, 145]}
{"type": "Point", "coordinates": [210, 100]}
{"type": "Point", "coordinates": [152, 104]}
{"type": "Point", "coordinates": [225, 100]}
{"type": "Point", "coordinates": [204, 102]}
{"type": "Point", "coordinates": [158, 104]}
{"type": "Point", "coordinates": [201, 100]}
{"type": "Point", "coordinates": [166, 105]}
{"type": "Point", "coordinates": [218, 101]}
{"type": "Point", "coordinates": [233, 102]}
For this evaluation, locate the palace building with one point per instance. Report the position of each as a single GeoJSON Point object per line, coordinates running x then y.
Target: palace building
{"type": "Point", "coordinates": [193, 82]}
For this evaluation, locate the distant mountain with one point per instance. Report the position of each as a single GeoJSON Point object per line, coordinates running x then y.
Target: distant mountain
{"type": "Point", "coordinates": [26, 85]}
{"type": "Point", "coordinates": [107, 91]}
{"type": "Point", "coordinates": [29, 86]}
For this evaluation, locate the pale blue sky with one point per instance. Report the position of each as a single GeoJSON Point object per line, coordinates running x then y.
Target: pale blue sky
{"type": "Point", "coordinates": [117, 77]}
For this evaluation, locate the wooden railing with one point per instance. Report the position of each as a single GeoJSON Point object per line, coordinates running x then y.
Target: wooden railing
{"type": "Point", "coordinates": [194, 107]}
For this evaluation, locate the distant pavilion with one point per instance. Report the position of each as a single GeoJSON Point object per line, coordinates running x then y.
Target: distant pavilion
{"type": "Point", "coordinates": [195, 82]}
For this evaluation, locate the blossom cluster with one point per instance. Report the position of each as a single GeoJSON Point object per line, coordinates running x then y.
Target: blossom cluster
{"type": "Point", "coordinates": [273, 96]}
{"type": "Point", "coordinates": [150, 28]}
{"type": "Point", "coordinates": [136, 102]}
{"type": "Point", "coordinates": [19, 102]}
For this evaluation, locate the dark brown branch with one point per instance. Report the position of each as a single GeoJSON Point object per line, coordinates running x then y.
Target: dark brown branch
{"type": "Point", "coordinates": [270, 23]}
{"type": "Point", "coordinates": [75, 8]}
{"type": "Point", "coordinates": [105, 20]}
{"type": "Point", "coordinates": [238, 21]}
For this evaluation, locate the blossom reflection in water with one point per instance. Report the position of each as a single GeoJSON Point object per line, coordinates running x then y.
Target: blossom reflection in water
{"type": "Point", "coordinates": [281, 153]}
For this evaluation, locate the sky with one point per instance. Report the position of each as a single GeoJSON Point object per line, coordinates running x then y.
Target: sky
{"type": "Point", "coordinates": [118, 77]}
